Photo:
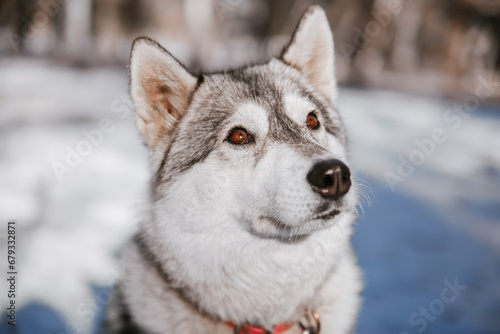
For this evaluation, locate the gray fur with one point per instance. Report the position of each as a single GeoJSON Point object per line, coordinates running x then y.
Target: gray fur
{"type": "Point", "coordinates": [215, 100]}
{"type": "Point", "coordinates": [235, 232]}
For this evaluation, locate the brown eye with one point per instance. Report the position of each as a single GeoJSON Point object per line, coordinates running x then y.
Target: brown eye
{"type": "Point", "coordinates": [312, 121]}
{"type": "Point", "coordinates": [239, 136]}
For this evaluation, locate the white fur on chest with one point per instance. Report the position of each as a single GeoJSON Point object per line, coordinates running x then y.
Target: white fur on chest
{"type": "Point", "coordinates": [233, 275]}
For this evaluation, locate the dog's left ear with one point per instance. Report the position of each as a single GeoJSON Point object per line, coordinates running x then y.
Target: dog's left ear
{"type": "Point", "coordinates": [311, 52]}
{"type": "Point", "coordinates": [160, 87]}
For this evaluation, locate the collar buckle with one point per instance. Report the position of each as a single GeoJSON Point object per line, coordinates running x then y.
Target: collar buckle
{"type": "Point", "coordinates": [311, 324]}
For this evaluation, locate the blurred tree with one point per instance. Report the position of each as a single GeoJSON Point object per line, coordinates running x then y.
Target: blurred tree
{"type": "Point", "coordinates": [438, 44]}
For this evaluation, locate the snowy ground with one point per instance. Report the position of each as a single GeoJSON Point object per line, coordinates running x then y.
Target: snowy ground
{"type": "Point", "coordinates": [439, 227]}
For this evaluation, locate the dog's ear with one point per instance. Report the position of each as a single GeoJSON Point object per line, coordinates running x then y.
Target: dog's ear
{"type": "Point", "coordinates": [160, 87]}
{"type": "Point", "coordinates": [311, 51]}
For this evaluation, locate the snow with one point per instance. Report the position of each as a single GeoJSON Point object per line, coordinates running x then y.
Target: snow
{"type": "Point", "coordinates": [442, 223]}
{"type": "Point", "coordinates": [68, 231]}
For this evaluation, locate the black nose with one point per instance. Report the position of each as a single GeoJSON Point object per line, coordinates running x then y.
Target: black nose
{"type": "Point", "coordinates": [330, 178]}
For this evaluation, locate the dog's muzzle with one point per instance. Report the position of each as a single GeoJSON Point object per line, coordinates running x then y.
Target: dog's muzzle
{"type": "Point", "coordinates": [330, 178]}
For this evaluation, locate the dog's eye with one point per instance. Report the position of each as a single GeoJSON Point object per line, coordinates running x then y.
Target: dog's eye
{"type": "Point", "coordinates": [239, 136]}
{"type": "Point", "coordinates": [312, 121]}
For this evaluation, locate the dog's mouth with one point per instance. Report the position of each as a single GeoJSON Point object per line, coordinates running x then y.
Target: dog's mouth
{"type": "Point", "coordinates": [321, 216]}
{"type": "Point", "coordinates": [327, 215]}
{"type": "Point", "coordinates": [271, 227]}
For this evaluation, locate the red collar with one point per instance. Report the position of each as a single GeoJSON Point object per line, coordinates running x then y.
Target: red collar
{"type": "Point", "coordinates": [311, 318]}
{"type": "Point", "coordinates": [249, 329]}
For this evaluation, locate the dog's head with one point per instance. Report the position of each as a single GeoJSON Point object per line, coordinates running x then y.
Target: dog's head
{"type": "Point", "coordinates": [261, 147]}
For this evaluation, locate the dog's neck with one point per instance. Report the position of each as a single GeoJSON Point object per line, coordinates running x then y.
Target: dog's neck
{"type": "Point", "coordinates": [249, 279]}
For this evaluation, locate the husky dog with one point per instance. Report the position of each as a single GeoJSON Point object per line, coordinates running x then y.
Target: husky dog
{"type": "Point", "coordinates": [252, 201]}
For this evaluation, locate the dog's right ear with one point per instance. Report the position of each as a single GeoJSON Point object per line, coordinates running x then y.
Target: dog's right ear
{"type": "Point", "coordinates": [311, 52]}
{"type": "Point", "coordinates": [160, 87]}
